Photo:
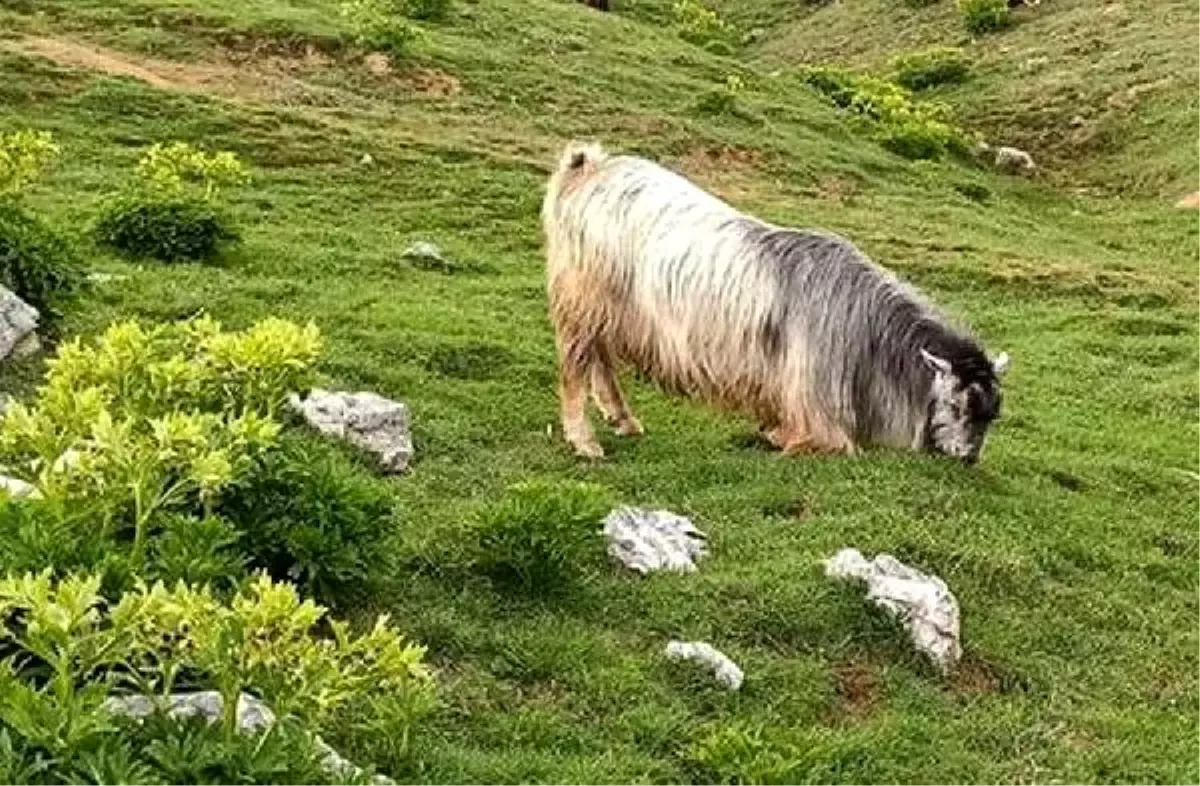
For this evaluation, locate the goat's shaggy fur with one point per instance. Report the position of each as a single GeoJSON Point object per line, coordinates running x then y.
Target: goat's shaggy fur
{"type": "Point", "coordinates": [827, 349]}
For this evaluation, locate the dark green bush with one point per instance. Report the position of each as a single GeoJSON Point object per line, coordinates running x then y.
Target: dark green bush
{"type": "Point", "coordinates": [428, 10]}
{"type": "Point", "coordinates": [310, 516]}
{"type": "Point", "coordinates": [938, 65]}
{"type": "Point", "coordinates": [541, 537]}
{"type": "Point", "coordinates": [984, 16]}
{"type": "Point", "coordinates": [168, 230]}
{"type": "Point", "coordinates": [35, 261]}
{"type": "Point", "coordinates": [913, 129]}
{"type": "Point", "coordinates": [974, 191]}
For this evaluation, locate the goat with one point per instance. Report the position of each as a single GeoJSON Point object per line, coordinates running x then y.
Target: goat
{"type": "Point", "coordinates": [830, 351]}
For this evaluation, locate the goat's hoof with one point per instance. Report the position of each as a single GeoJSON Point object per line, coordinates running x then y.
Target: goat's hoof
{"type": "Point", "coordinates": [629, 427]}
{"type": "Point", "coordinates": [589, 450]}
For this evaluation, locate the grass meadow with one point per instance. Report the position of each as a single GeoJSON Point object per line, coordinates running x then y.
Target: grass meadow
{"type": "Point", "coordinates": [1072, 547]}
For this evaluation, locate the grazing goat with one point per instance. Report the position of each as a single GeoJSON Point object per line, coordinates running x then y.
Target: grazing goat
{"type": "Point", "coordinates": [830, 351]}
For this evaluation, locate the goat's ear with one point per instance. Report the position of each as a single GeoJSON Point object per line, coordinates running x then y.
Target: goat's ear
{"type": "Point", "coordinates": [1000, 364]}
{"type": "Point", "coordinates": [939, 365]}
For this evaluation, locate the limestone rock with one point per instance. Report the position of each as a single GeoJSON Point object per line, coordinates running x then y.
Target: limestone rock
{"type": "Point", "coordinates": [366, 420]}
{"type": "Point", "coordinates": [922, 602]}
{"type": "Point", "coordinates": [18, 321]}
{"type": "Point", "coordinates": [724, 670]}
{"type": "Point", "coordinates": [646, 541]}
{"type": "Point", "coordinates": [253, 715]}
{"type": "Point", "coordinates": [1014, 161]}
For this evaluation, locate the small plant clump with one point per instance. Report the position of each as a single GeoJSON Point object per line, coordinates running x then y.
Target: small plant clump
{"type": "Point", "coordinates": [540, 537]}
{"type": "Point", "coordinates": [379, 25]}
{"type": "Point", "coordinates": [133, 440]}
{"type": "Point", "coordinates": [913, 129]}
{"type": "Point", "coordinates": [36, 262]}
{"type": "Point", "coordinates": [700, 25]}
{"type": "Point", "coordinates": [427, 10]}
{"type": "Point", "coordinates": [73, 653]}
{"type": "Point", "coordinates": [927, 68]}
{"type": "Point", "coordinates": [984, 16]}
{"type": "Point", "coordinates": [724, 99]}
{"type": "Point", "coordinates": [171, 212]}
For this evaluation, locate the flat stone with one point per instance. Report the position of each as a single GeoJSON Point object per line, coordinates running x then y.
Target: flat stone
{"type": "Point", "coordinates": [650, 540]}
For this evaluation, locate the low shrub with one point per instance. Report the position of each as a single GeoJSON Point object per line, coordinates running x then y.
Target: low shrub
{"type": "Point", "coordinates": [173, 231]}
{"type": "Point", "coordinates": [541, 537]}
{"type": "Point", "coordinates": [974, 191]}
{"type": "Point", "coordinates": [309, 515]}
{"type": "Point", "coordinates": [171, 211]}
{"type": "Point", "coordinates": [70, 653]}
{"type": "Point", "coordinates": [378, 25]}
{"type": "Point", "coordinates": [723, 100]}
{"type": "Point", "coordinates": [430, 10]}
{"type": "Point", "coordinates": [23, 156]}
{"type": "Point", "coordinates": [169, 231]}
{"type": "Point", "coordinates": [35, 261]}
{"type": "Point", "coordinates": [984, 16]}
{"type": "Point", "coordinates": [700, 25]}
{"type": "Point", "coordinates": [150, 424]}
{"type": "Point", "coordinates": [913, 129]}
{"type": "Point", "coordinates": [938, 65]}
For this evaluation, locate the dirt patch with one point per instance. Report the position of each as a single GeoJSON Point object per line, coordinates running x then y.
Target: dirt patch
{"type": "Point", "coordinates": [857, 690]}
{"type": "Point", "coordinates": [269, 79]}
{"type": "Point", "coordinates": [377, 64]}
{"type": "Point", "coordinates": [835, 189]}
{"type": "Point", "coordinates": [719, 161]}
{"type": "Point", "coordinates": [432, 82]}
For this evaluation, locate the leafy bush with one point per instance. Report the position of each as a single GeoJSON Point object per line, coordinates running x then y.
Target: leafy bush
{"type": "Point", "coordinates": [170, 212]}
{"type": "Point", "coordinates": [427, 9]}
{"type": "Point", "coordinates": [914, 129]}
{"type": "Point", "coordinates": [168, 231]}
{"type": "Point", "coordinates": [377, 24]}
{"type": "Point", "coordinates": [307, 514]}
{"type": "Point", "coordinates": [70, 653]}
{"type": "Point", "coordinates": [699, 24]}
{"type": "Point", "coordinates": [984, 16]}
{"type": "Point", "coordinates": [723, 100]}
{"type": "Point", "coordinates": [938, 65]}
{"type": "Point", "coordinates": [974, 191]}
{"type": "Point", "coordinates": [23, 156]}
{"type": "Point", "coordinates": [35, 261]}
{"type": "Point", "coordinates": [541, 537]}
{"type": "Point", "coordinates": [151, 423]}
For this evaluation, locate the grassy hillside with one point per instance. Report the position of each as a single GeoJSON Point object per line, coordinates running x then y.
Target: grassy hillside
{"type": "Point", "coordinates": [1072, 548]}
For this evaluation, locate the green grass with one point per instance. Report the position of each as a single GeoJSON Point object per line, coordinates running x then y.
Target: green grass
{"type": "Point", "coordinates": [1072, 547]}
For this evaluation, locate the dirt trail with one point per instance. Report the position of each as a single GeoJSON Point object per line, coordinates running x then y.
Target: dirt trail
{"type": "Point", "coordinates": [162, 74]}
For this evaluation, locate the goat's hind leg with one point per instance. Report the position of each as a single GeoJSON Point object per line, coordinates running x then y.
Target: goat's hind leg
{"type": "Point", "coordinates": [606, 391]}
{"type": "Point", "coordinates": [575, 361]}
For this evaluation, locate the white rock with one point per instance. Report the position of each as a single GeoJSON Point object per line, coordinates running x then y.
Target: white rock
{"type": "Point", "coordinates": [923, 602]}
{"type": "Point", "coordinates": [1014, 161]}
{"type": "Point", "coordinates": [367, 159]}
{"type": "Point", "coordinates": [17, 488]}
{"type": "Point", "coordinates": [18, 321]}
{"type": "Point", "coordinates": [646, 541]}
{"type": "Point", "coordinates": [423, 249]}
{"type": "Point", "coordinates": [366, 420]}
{"type": "Point", "coordinates": [724, 670]}
{"type": "Point", "coordinates": [252, 715]}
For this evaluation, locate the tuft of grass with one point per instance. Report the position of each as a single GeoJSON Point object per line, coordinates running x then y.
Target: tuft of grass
{"type": "Point", "coordinates": [931, 67]}
{"type": "Point", "coordinates": [541, 537]}
{"type": "Point", "coordinates": [984, 16]}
